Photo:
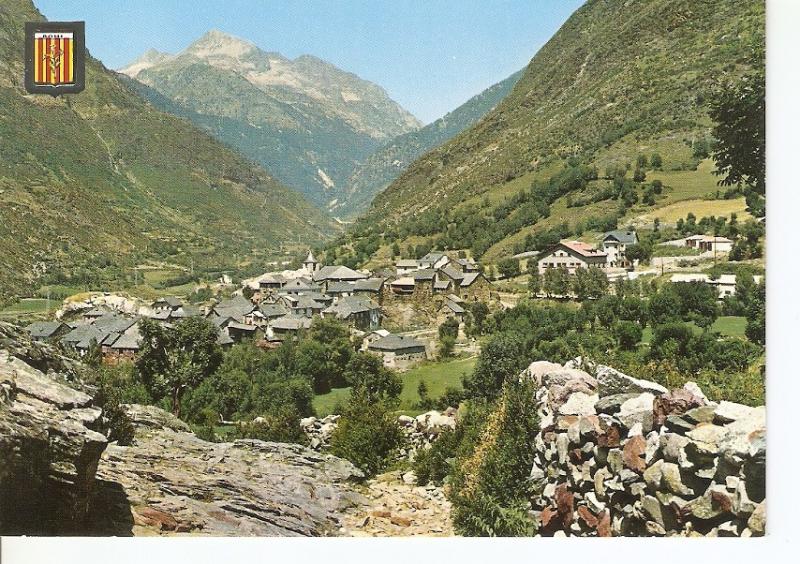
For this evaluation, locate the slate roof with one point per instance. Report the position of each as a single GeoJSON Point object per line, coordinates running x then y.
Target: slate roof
{"type": "Point", "coordinates": [432, 258]}
{"type": "Point", "coordinates": [397, 343]}
{"type": "Point", "coordinates": [236, 308]}
{"type": "Point", "coordinates": [369, 285]}
{"type": "Point", "coordinates": [347, 306]}
{"type": "Point", "coordinates": [623, 236]}
{"type": "Point", "coordinates": [272, 310]}
{"type": "Point", "coordinates": [96, 312]}
{"type": "Point", "coordinates": [127, 342]}
{"type": "Point", "coordinates": [224, 339]}
{"type": "Point", "coordinates": [170, 301]}
{"type": "Point", "coordinates": [442, 284]}
{"type": "Point", "coordinates": [452, 272]}
{"type": "Point", "coordinates": [305, 302]}
{"type": "Point", "coordinates": [469, 278]}
{"type": "Point", "coordinates": [44, 329]}
{"type": "Point", "coordinates": [454, 307]}
{"type": "Point", "coordinates": [291, 323]}
{"type": "Point", "coordinates": [337, 273]}
{"type": "Point", "coordinates": [339, 287]}
{"type": "Point", "coordinates": [423, 274]}
{"type": "Point", "coordinates": [241, 326]}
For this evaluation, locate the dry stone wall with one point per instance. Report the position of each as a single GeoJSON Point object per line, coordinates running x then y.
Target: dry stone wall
{"type": "Point", "coordinates": [619, 456]}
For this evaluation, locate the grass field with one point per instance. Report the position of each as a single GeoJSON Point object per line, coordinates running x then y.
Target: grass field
{"type": "Point", "coordinates": [28, 306]}
{"type": "Point", "coordinates": [728, 325]}
{"type": "Point", "coordinates": [438, 376]}
{"type": "Point", "coordinates": [700, 208]}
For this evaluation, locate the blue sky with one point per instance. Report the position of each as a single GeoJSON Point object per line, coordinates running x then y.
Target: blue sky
{"type": "Point", "coordinates": [430, 55]}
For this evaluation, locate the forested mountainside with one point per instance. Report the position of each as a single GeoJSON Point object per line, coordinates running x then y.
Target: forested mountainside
{"type": "Point", "coordinates": [618, 98]}
{"type": "Point", "coordinates": [307, 121]}
{"type": "Point", "coordinates": [388, 162]}
{"type": "Point", "coordinates": [93, 183]}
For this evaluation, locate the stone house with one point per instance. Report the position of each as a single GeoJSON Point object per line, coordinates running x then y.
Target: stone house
{"type": "Point", "coordinates": [404, 266]}
{"type": "Point", "coordinates": [399, 352]}
{"type": "Point", "coordinates": [433, 260]}
{"type": "Point", "coordinates": [46, 330]}
{"type": "Point", "coordinates": [287, 327]}
{"type": "Point", "coordinates": [572, 255]}
{"type": "Point", "coordinates": [615, 243]}
{"type": "Point", "coordinates": [358, 312]}
{"type": "Point", "coordinates": [452, 309]}
{"type": "Point", "coordinates": [475, 287]}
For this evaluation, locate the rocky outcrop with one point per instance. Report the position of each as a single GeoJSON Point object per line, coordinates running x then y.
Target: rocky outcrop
{"type": "Point", "coordinates": [620, 456]}
{"type": "Point", "coordinates": [50, 445]}
{"type": "Point", "coordinates": [171, 482]}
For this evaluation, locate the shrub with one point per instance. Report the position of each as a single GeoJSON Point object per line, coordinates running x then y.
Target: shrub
{"type": "Point", "coordinates": [282, 426]}
{"type": "Point", "coordinates": [628, 334]}
{"type": "Point", "coordinates": [367, 435]}
{"type": "Point", "coordinates": [490, 488]}
{"type": "Point", "coordinates": [120, 426]}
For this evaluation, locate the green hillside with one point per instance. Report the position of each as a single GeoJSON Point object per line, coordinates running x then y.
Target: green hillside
{"type": "Point", "coordinates": [94, 183]}
{"type": "Point", "coordinates": [388, 162]}
{"type": "Point", "coordinates": [618, 83]}
{"type": "Point", "coordinates": [308, 122]}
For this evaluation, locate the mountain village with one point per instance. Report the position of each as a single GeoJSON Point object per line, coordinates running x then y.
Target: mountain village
{"type": "Point", "coordinates": [278, 306]}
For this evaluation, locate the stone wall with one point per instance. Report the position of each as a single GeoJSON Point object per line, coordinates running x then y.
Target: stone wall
{"type": "Point", "coordinates": [618, 456]}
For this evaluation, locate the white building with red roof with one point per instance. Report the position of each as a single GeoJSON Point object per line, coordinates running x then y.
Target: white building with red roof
{"type": "Point", "coordinates": [572, 255]}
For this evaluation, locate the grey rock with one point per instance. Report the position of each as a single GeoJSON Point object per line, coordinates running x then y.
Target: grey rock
{"type": "Point", "coordinates": [671, 446]}
{"type": "Point", "coordinates": [579, 403]}
{"type": "Point", "coordinates": [611, 381]}
{"type": "Point", "coordinates": [639, 410]}
{"type": "Point", "coordinates": [702, 414]}
{"type": "Point", "coordinates": [49, 449]}
{"type": "Point", "coordinates": [611, 404]}
{"type": "Point", "coordinates": [757, 523]}
{"type": "Point", "coordinates": [728, 412]}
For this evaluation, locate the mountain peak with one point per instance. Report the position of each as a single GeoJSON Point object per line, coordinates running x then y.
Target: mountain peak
{"type": "Point", "coordinates": [216, 43]}
{"type": "Point", "coordinates": [146, 60]}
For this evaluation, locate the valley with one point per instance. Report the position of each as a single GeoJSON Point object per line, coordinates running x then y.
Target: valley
{"type": "Point", "coordinates": [246, 294]}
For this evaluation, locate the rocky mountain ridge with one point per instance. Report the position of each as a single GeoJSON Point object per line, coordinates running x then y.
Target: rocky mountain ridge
{"type": "Point", "coordinates": [102, 178]}
{"type": "Point", "coordinates": [304, 119]}
{"type": "Point", "coordinates": [387, 163]}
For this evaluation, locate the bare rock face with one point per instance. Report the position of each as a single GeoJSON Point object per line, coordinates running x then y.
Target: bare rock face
{"type": "Point", "coordinates": [171, 482]}
{"type": "Point", "coordinates": [49, 449]}
{"type": "Point", "coordinates": [53, 480]}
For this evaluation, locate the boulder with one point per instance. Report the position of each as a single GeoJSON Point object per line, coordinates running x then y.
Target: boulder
{"type": "Point", "coordinates": [633, 453]}
{"type": "Point", "coordinates": [728, 412]}
{"type": "Point", "coordinates": [49, 448]}
{"type": "Point", "coordinates": [757, 523]}
{"type": "Point", "coordinates": [674, 402]}
{"type": "Point", "coordinates": [539, 369]}
{"type": "Point", "coordinates": [638, 410]}
{"type": "Point", "coordinates": [611, 381]}
{"type": "Point", "coordinates": [612, 404]}
{"type": "Point", "coordinates": [579, 403]}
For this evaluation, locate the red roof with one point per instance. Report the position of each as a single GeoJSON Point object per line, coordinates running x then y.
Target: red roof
{"type": "Point", "coordinates": [584, 249]}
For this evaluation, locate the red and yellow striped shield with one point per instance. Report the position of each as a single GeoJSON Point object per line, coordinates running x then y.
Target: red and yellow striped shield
{"type": "Point", "coordinates": [54, 59]}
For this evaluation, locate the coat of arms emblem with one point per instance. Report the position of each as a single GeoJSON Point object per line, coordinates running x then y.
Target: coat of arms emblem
{"type": "Point", "coordinates": [54, 57]}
